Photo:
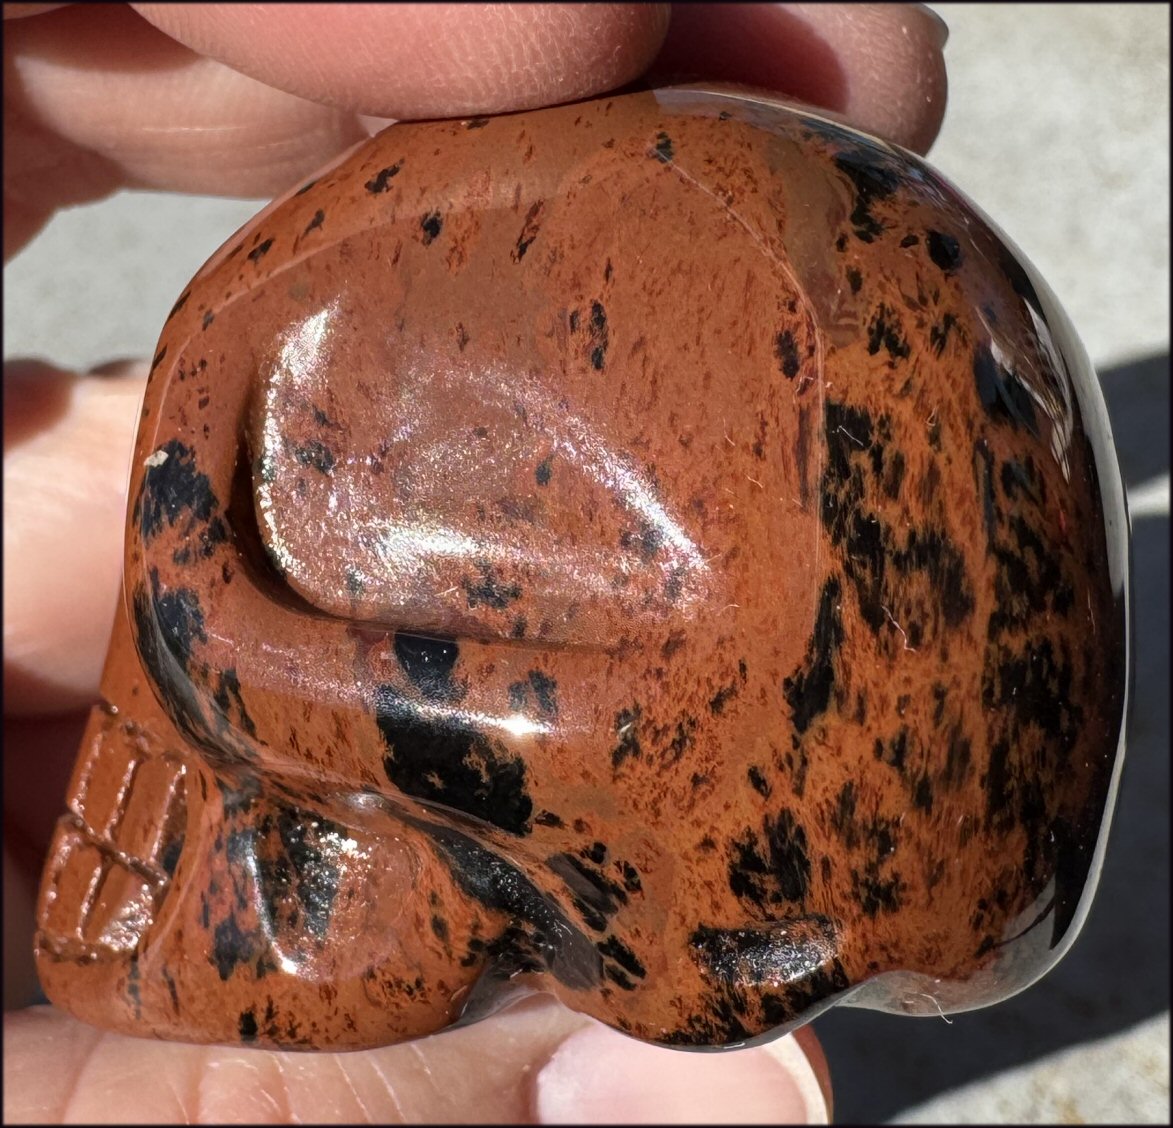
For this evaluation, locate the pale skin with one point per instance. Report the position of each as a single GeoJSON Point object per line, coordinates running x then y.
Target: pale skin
{"type": "Point", "coordinates": [244, 100]}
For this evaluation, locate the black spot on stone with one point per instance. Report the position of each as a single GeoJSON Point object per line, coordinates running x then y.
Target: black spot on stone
{"type": "Point", "coordinates": [843, 815]}
{"type": "Point", "coordinates": [774, 871]}
{"type": "Point", "coordinates": [432, 225]}
{"type": "Point", "coordinates": [228, 693]}
{"type": "Point", "coordinates": [944, 250]}
{"type": "Point", "coordinates": [614, 949]}
{"type": "Point", "coordinates": [647, 540]}
{"type": "Point", "coordinates": [305, 187]}
{"type": "Point", "coordinates": [721, 698]}
{"type": "Point", "coordinates": [1036, 685]}
{"type": "Point", "coordinates": [259, 252]}
{"type": "Point", "coordinates": [476, 123]}
{"type": "Point", "coordinates": [172, 489]}
{"type": "Point", "coordinates": [133, 985]}
{"type": "Point", "coordinates": [1022, 477]}
{"type": "Point", "coordinates": [681, 739]}
{"type": "Point", "coordinates": [316, 222]}
{"type": "Point", "coordinates": [873, 178]}
{"type": "Point", "coordinates": [957, 760]}
{"type": "Point", "coordinates": [180, 303]}
{"type": "Point", "coordinates": [543, 472]}
{"type": "Point", "coordinates": [984, 469]}
{"type": "Point", "coordinates": [885, 329]}
{"type": "Point", "coordinates": [179, 620]}
{"type": "Point", "coordinates": [548, 818]}
{"type": "Point", "coordinates": [758, 781]}
{"type": "Point", "coordinates": [720, 1023]}
{"type": "Point", "coordinates": [518, 628]}
{"type": "Point", "coordinates": [428, 664]}
{"type": "Point", "coordinates": [542, 937]}
{"type": "Point", "coordinates": [545, 693]}
{"type": "Point", "coordinates": [158, 359]}
{"type": "Point", "coordinates": [231, 947]}
{"type": "Point", "coordinates": [854, 279]}
{"type": "Point", "coordinates": [529, 230]}
{"type": "Point", "coordinates": [247, 1026]}
{"type": "Point", "coordinates": [791, 954]}
{"type": "Point", "coordinates": [786, 351]}
{"type": "Point", "coordinates": [596, 896]}
{"type": "Point", "coordinates": [942, 561]}
{"type": "Point", "coordinates": [910, 240]}
{"type": "Point", "coordinates": [663, 150]}
{"type": "Point", "coordinates": [440, 928]}
{"type": "Point", "coordinates": [617, 977]}
{"type": "Point", "coordinates": [939, 333]}
{"type": "Point", "coordinates": [879, 558]}
{"type": "Point", "coordinates": [214, 533]}
{"type": "Point", "coordinates": [444, 759]}
{"type": "Point", "coordinates": [382, 179]}
{"type": "Point", "coordinates": [894, 475]}
{"type": "Point", "coordinates": [599, 336]}
{"type": "Point", "coordinates": [875, 894]}
{"type": "Point", "coordinates": [170, 854]}
{"type": "Point", "coordinates": [295, 855]}
{"type": "Point", "coordinates": [1002, 393]}
{"type": "Point", "coordinates": [808, 689]}
{"type": "Point", "coordinates": [315, 454]}
{"type": "Point", "coordinates": [596, 852]}
{"type": "Point", "coordinates": [627, 729]}
{"type": "Point", "coordinates": [490, 590]}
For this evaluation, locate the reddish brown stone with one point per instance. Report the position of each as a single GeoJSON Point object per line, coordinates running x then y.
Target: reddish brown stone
{"type": "Point", "coordinates": [666, 549]}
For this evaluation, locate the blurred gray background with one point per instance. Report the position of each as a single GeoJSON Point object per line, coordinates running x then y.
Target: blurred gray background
{"type": "Point", "coordinates": [1058, 127]}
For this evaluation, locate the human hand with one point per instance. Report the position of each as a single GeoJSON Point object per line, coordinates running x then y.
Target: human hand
{"type": "Point", "coordinates": [245, 100]}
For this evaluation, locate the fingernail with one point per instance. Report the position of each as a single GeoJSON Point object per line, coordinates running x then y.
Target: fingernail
{"type": "Point", "coordinates": [936, 21]}
{"type": "Point", "coordinates": [599, 1076]}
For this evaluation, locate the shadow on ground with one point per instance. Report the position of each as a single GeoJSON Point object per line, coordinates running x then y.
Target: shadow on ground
{"type": "Point", "coordinates": [1117, 973]}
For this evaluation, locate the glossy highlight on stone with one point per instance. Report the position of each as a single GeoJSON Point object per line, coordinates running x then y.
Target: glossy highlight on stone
{"type": "Point", "coordinates": [666, 550]}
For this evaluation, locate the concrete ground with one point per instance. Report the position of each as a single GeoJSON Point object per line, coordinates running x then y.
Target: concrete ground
{"type": "Point", "coordinates": [1058, 128]}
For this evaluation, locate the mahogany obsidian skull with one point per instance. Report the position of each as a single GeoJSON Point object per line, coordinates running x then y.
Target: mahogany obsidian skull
{"type": "Point", "coordinates": [668, 550]}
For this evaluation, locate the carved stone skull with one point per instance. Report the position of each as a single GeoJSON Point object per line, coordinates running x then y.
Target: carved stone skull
{"type": "Point", "coordinates": [667, 550]}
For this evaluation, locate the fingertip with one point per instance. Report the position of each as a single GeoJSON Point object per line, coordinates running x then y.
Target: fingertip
{"type": "Point", "coordinates": [599, 1076]}
{"type": "Point", "coordinates": [66, 460]}
{"type": "Point", "coordinates": [425, 60]}
{"type": "Point", "coordinates": [878, 66]}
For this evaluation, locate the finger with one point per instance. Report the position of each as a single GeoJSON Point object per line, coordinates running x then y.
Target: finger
{"type": "Point", "coordinates": [96, 98]}
{"type": "Point", "coordinates": [532, 1063]}
{"type": "Point", "coordinates": [879, 65]}
{"type": "Point", "coordinates": [67, 443]}
{"type": "Point", "coordinates": [425, 60]}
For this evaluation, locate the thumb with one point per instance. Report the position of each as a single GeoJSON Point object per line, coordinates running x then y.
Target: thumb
{"type": "Point", "coordinates": [534, 1062]}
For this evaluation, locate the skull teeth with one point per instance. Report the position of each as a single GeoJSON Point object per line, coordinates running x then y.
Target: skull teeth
{"type": "Point", "coordinates": [115, 849]}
